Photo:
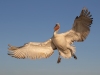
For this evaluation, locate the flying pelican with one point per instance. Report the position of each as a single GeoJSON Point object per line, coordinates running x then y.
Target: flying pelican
{"type": "Point", "coordinates": [61, 42]}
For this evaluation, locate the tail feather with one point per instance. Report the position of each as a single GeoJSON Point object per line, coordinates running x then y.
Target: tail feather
{"type": "Point", "coordinates": [66, 54]}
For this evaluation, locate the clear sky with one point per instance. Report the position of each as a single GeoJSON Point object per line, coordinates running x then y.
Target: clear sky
{"type": "Point", "coordinates": [22, 21]}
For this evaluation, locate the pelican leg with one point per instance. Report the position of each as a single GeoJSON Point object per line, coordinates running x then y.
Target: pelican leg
{"type": "Point", "coordinates": [75, 57]}
{"type": "Point", "coordinates": [59, 59]}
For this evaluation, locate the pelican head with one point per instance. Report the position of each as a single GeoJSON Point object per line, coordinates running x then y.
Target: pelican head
{"type": "Point", "coordinates": [57, 27]}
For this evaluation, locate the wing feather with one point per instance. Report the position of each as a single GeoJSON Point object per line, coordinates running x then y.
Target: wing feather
{"type": "Point", "coordinates": [32, 50]}
{"type": "Point", "coordinates": [81, 27]}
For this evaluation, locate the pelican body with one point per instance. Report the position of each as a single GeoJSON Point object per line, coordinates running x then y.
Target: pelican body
{"type": "Point", "coordinates": [61, 42]}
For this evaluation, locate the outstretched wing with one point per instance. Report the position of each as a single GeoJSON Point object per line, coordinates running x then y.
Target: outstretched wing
{"type": "Point", "coordinates": [32, 50]}
{"type": "Point", "coordinates": [81, 27]}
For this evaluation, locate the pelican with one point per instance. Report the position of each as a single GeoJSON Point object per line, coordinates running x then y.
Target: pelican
{"type": "Point", "coordinates": [63, 42]}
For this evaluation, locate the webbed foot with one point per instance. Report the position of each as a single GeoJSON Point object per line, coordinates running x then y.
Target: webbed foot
{"type": "Point", "coordinates": [74, 56]}
{"type": "Point", "coordinates": [59, 60]}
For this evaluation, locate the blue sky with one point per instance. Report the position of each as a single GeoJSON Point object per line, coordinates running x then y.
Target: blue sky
{"type": "Point", "coordinates": [22, 21]}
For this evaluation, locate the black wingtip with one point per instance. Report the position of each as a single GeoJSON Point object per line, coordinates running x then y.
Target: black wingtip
{"type": "Point", "coordinates": [76, 17]}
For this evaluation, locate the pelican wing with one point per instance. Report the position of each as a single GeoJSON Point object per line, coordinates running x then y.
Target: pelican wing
{"type": "Point", "coordinates": [81, 27]}
{"type": "Point", "coordinates": [32, 50]}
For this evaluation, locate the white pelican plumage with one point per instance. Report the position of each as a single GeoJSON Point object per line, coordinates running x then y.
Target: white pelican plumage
{"type": "Point", "coordinates": [62, 42]}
